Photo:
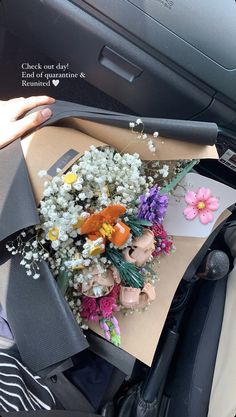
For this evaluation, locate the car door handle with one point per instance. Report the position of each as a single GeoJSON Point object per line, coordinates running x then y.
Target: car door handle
{"type": "Point", "coordinates": [119, 65]}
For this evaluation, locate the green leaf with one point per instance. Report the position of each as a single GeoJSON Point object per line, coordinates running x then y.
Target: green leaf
{"type": "Point", "coordinates": [179, 177]}
{"type": "Point", "coordinates": [137, 221]}
{"type": "Point", "coordinates": [63, 280]}
{"type": "Point", "coordinates": [136, 225]}
{"type": "Point", "coordinates": [136, 230]}
{"type": "Point", "coordinates": [144, 222]}
{"type": "Point", "coordinates": [129, 273]}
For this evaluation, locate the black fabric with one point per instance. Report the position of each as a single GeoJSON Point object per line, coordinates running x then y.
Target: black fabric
{"type": "Point", "coordinates": [189, 131]}
{"type": "Point", "coordinates": [17, 206]}
{"type": "Point", "coordinates": [42, 323]}
{"type": "Point", "coordinates": [190, 378]}
{"type": "Point", "coordinates": [91, 374]}
{"type": "Point", "coordinates": [51, 413]}
{"type": "Point", "coordinates": [20, 389]}
{"type": "Point", "coordinates": [116, 356]}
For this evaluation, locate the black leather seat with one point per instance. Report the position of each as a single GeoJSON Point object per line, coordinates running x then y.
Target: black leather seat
{"type": "Point", "coordinates": [190, 378]}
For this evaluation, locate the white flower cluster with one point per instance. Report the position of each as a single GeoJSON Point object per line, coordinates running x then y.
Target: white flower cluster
{"type": "Point", "coordinates": [100, 178]}
{"type": "Point", "coordinates": [143, 136]}
{"type": "Point", "coordinates": [112, 178]}
{"type": "Point", "coordinates": [31, 253]}
{"type": "Point", "coordinates": [164, 171]}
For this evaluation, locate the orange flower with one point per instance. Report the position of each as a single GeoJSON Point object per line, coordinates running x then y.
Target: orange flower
{"type": "Point", "coordinates": [121, 234]}
{"type": "Point", "coordinates": [94, 236]}
{"type": "Point", "coordinates": [105, 224]}
{"type": "Point", "coordinates": [108, 215]}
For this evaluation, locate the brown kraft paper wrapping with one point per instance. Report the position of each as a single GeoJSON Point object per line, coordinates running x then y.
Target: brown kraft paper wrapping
{"type": "Point", "coordinates": [46, 146]}
{"type": "Point", "coordinates": [140, 332]}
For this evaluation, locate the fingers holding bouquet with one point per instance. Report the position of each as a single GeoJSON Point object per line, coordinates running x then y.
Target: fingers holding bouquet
{"type": "Point", "coordinates": [13, 121]}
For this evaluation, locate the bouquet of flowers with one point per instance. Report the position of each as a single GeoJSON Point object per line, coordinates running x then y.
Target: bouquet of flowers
{"type": "Point", "coordinates": [101, 232]}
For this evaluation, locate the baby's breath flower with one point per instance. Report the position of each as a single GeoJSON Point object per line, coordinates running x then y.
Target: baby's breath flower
{"type": "Point", "coordinates": [164, 171]}
{"type": "Point", "coordinates": [42, 173]}
{"type": "Point", "coordinates": [36, 276]}
{"type": "Point", "coordinates": [151, 146]}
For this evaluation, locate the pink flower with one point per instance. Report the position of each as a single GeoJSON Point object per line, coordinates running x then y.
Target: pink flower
{"type": "Point", "coordinates": [163, 241]}
{"type": "Point", "coordinates": [89, 309]}
{"type": "Point", "coordinates": [107, 304]}
{"type": "Point", "coordinates": [85, 314]}
{"type": "Point", "coordinates": [201, 204]}
{"type": "Point", "coordinates": [94, 317]}
{"type": "Point", "coordinates": [115, 292]}
{"type": "Point", "coordinates": [89, 304]}
{"type": "Point", "coordinates": [88, 315]}
{"type": "Point", "coordinates": [159, 231]}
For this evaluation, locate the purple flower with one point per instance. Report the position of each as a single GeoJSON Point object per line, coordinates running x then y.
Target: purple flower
{"type": "Point", "coordinates": [153, 205]}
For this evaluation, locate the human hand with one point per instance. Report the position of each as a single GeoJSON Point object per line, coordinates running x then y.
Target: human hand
{"type": "Point", "coordinates": [12, 126]}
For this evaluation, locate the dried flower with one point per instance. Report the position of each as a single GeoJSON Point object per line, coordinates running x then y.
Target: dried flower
{"type": "Point", "coordinates": [89, 304]}
{"type": "Point", "coordinates": [164, 244]}
{"type": "Point", "coordinates": [107, 305]}
{"type": "Point", "coordinates": [153, 206]}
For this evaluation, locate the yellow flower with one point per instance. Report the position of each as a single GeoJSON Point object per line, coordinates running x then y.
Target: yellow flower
{"type": "Point", "coordinates": [105, 224]}
{"type": "Point", "coordinates": [96, 220]}
{"type": "Point", "coordinates": [96, 250]}
{"type": "Point", "coordinates": [76, 266]}
{"type": "Point", "coordinates": [106, 230]}
{"type": "Point", "coordinates": [53, 233]}
{"type": "Point", "coordinates": [70, 178]}
{"type": "Point", "coordinates": [79, 223]}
